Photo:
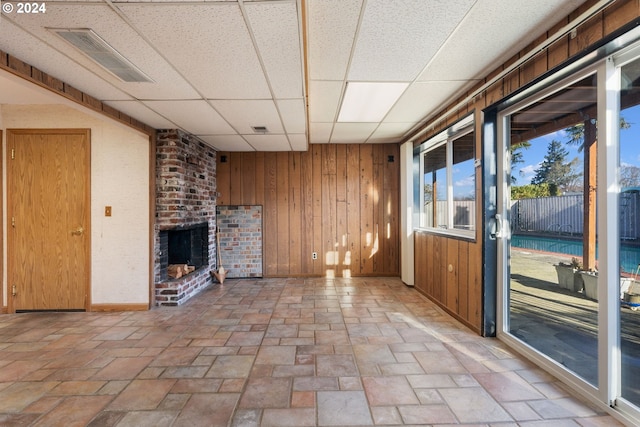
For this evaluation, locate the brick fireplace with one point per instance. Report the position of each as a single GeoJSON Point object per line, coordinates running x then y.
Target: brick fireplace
{"type": "Point", "coordinates": [185, 215]}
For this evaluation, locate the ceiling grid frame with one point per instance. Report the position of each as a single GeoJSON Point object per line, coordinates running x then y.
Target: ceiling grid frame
{"type": "Point", "coordinates": [296, 116]}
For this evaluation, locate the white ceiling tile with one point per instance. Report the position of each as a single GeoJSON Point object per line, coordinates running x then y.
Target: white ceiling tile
{"type": "Point", "coordinates": [293, 115]}
{"type": "Point", "coordinates": [218, 58]}
{"type": "Point", "coordinates": [141, 112]}
{"type": "Point", "coordinates": [227, 142]}
{"type": "Point", "coordinates": [298, 142]}
{"type": "Point", "coordinates": [331, 27]}
{"type": "Point", "coordinates": [244, 114]}
{"type": "Point", "coordinates": [269, 142]}
{"type": "Point", "coordinates": [324, 100]}
{"type": "Point", "coordinates": [352, 133]}
{"type": "Point", "coordinates": [276, 30]}
{"type": "Point", "coordinates": [397, 38]}
{"type": "Point", "coordinates": [475, 47]}
{"type": "Point", "coordinates": [389, 132]}
{"type": "Point", "coordinates": [320, 133]}
{"type": "Point", "coordinates": [195, 116]}
{"type": "Point", "coordinates": [420, 99]}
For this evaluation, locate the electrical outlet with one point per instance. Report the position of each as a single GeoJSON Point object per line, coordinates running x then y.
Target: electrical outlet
{"type": "Point", "coordinates": [314, 255]}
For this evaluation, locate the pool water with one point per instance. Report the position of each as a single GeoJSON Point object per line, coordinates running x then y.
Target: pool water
{"type": "Point", "coordinates": [629, 255]}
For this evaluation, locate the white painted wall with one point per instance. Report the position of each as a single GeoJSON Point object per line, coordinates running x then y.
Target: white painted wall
{"type": "Point", "coordinates": [120, 254]}
{"type": "Point", "coordinates": [406, 216]}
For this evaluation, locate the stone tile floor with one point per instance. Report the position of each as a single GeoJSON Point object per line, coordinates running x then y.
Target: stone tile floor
{"type": "Point", "coordinates": [276, 352]}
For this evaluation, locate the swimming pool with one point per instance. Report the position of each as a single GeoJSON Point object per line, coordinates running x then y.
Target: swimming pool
{"type": "Point", "coordinates": [629, 255]}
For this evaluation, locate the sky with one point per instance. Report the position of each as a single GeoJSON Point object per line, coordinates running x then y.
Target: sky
{"type": "Point", "coordinates": [534, 155]}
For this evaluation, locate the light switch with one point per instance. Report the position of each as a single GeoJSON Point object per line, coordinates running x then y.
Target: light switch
{"type": "Point", "coordinates": [107, 211]}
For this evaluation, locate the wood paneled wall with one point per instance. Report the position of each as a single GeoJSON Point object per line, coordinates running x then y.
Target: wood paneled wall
{"type": "Point", "coordinates": [449, 271]}
{"type": "Point", "coordinates": [341, 201]}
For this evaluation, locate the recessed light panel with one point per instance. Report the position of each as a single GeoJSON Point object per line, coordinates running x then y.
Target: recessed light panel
{"type": "Point", "coordinates": [369, 102]}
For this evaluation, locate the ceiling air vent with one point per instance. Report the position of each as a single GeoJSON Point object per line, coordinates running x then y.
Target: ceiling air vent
{"type": "Point", "coordinates": [260, 129]}
{"type": "Point", "coordinates": [101, 52]}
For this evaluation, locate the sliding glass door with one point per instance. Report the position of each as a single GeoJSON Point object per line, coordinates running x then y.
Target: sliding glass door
{"type": "Point", "coordinates": [568, 210]}
{"type": "Point", "coordinates": [550, 201]}
{"type": "Point", "coordinates": [629, 230]}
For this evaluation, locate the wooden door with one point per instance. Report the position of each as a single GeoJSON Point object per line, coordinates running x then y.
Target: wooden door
{"type": "Point", "coordinates": [48, 219]}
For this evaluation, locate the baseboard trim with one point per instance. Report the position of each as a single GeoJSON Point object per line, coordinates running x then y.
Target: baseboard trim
{"type": "Point", "coordinates": [119, 307]}
{"type": "Point", "coordinates": [4, 310]}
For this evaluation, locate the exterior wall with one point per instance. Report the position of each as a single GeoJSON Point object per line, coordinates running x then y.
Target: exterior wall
{"type": "Point", "coordinates": [340, 201]}
{"type": "Point", "coordinates": [185, 196]}
{"type": "Point", "coordinates": [120, 179]}
{"type": "Point", "coordinates": [459, 289]}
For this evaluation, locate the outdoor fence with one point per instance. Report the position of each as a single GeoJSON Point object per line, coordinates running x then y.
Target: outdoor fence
{"type": "Point", "coordinates": [565, 215]}
{"type": "Point", "coordinates": [464, 213]}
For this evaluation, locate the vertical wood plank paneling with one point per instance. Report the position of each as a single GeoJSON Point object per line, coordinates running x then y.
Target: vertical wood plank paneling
{"type": "Point", "coordinates": [589, 32]}
{"type": "Point", "coordinates": [318, 265]}
{"type": "Point", "coordinates": [475, 296]}
{"type": "Point", "coordinates": [223, 176]}
{"type": "Point", "coordinates": [235, 166]}
{"type": "Point", "coordinates": [537, 65]}
{"type": "Point", "coordinates": [306, 212]}
{"type": "Point", "coordinates": [343, 269]}
{"type": "Point", "coordinates": [463, 279]}
{"type": "Point", "coordinates": [248, 179]}
{"type": "Point", "coordinates": [329, 206]}
{"type": "Point", "coordinates": [353, 206]}
{"type": "Point", "coordinates": [282, 196]}
{"type": "Point", "coordinates": [620, 13]}
{"type": "Point", "coordinates": [391, 210]}
{"type": "Point", "coordinates": [512, 80]}
{"type": "Point", "coordinates": [438, 260]}
{"type": "Point", "coordinates": [259, 180]}
{"type": "Point", "coordinates": [270, 212]}
{"type": "Point", "coordinates": [295, 218]}
{"type": "Point", "coordinates": [326, 200]}
{"type": "Point", "coordinates": [367, 232]}
{"type": "Point", "coordinates": [430, 264]}
{"type": "Point", "coordinates": [558, 51]}
{"type": "Point", "coordinates": [460, 291]}
{"type": "Point", "coordinates": [420, 269]}
{"type": "Point", "coordinates": [378, 208]}
{"type": "Point", "coordinates": [452, 290]}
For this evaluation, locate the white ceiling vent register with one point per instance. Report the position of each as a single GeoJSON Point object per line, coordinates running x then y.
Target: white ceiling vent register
{"type": "Point", "coordinates": [94, 46]}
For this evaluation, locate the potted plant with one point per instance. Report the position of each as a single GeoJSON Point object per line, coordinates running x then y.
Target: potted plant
{"type": "Point", "coordinates": [590, 280]}
{"type": "Point", "coordinates": [568, 275]}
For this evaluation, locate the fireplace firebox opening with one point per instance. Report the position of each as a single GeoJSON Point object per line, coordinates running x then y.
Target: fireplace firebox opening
{"type": "Point", "coordinates": [186, 249]}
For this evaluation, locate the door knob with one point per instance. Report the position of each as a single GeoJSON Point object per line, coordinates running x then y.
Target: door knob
{"type": "Point", "coordinates": [78, 232]}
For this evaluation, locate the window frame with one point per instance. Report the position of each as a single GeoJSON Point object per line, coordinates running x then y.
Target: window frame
{"type": "Point", "coordinates": [447, 138]}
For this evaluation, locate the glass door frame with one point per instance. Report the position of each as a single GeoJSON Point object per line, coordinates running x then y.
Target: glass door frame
{"type": "Point", "coordinates": [504, 237]}
{"type": "Point", "coordinates": [607, 69]}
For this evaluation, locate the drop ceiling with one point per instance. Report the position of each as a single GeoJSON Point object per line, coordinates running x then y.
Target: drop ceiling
{"type": "Point", "coordinates": [221, 68]}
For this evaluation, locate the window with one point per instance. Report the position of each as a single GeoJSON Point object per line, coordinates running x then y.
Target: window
{"type": "Point", "coordinates": [448, 180]}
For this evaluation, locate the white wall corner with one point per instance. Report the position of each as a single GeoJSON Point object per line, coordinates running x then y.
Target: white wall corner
{"type": "Point", "coordinates": [406, 219]}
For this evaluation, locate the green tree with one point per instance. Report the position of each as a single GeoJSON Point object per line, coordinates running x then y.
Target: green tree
{"type": "Point", "coordinates": [529, 191]}
{"type": "Point", "coordinates": [555, 170]}
{"type": "Point", "coordinates": [517, 156]}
